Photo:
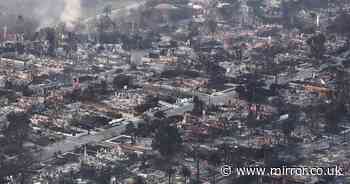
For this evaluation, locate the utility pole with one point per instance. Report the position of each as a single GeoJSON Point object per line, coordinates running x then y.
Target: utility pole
{"type": "Point", "coordinates": [5, 33]}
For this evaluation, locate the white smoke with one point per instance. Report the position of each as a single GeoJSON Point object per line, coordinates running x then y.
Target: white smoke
{"type": "Point", "coordinates": [71, 13]}
{"type": "Point", "coordinates": [47, 13]}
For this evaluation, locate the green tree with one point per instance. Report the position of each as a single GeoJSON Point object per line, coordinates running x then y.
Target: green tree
{"type": "Point", "coordinates": [258, 8]}
{"type": "Point", "coordinates": [118, 171]}
{"type": "Point", "coordinates": [104, 175]}
{"type": "Point", "coordinates": [122, 80]}
{"type": "Point", "coordinates": [290, 9]}
{"type": "Point", "coordinates": [186, 173]}
{"type": "Point", "coordinates": [139, 180]}
{"type": "Point", "coordinates": [287, 128]}
{"type": "Point", "coordinates": [150, 102]}
{"type": "Point", "coordinates": [104, 23]}
{"type": "Point", "coordinates": [18, 167]}
{"type": "Point", "coordinates": [212, 27]}
{"type": "Point", "coordinates": [170, 171]}
{"type": "Point", "coordinates": [167, 140]}
{"type": "Point", "coordinates": [214, 160]}
{"type": "Point", "coordinates": [198, 106]}
{"type": "Point", "coordinates": [341, 25]}
{"type": "Point", "coordinates": [52, 40]}
{"type": "Point", "coordinates": [19, 128]}
{"type": "Point", "coordinates": [317, 45]}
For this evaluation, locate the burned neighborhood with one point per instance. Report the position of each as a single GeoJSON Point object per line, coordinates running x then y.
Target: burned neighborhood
{"type": "Point", "coordinates": [174, 91]}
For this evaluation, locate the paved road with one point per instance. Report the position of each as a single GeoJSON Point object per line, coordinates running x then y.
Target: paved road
{"type": "Point", "coordinates": [70, 143]}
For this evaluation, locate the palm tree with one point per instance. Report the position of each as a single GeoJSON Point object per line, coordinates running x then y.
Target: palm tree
{"type": "Point", "coordinates": [225, 123]}
{"type": "Point", "coordinates": [107, 10]}
{"type": "Point", "coordinates": [139, 180]}
{"type": "Point", "coordinates": [170, 171]}
{"type": "Point", "coordinates": [186, 172]}
{"type": "Point", "coordinates": [212, 172]}
{"type": "Point", "coordinates": [212, 27]}
{"type": "Point", "coordinates": [19, 128]}
{"type": "Point", "coordinates": [214, 160]}
{"type": "Point", "coordinates": [118, 171]}
{"type": "Point", "coordinates": [195, 156]}
{"type": "Point", "coordinates": [167, 140]}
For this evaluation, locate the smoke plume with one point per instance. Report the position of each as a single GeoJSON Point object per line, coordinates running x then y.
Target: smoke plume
{"type": "Point", "coordinates": [45, 12]}
{"type": "Point", "coordinates": [71, 13]}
